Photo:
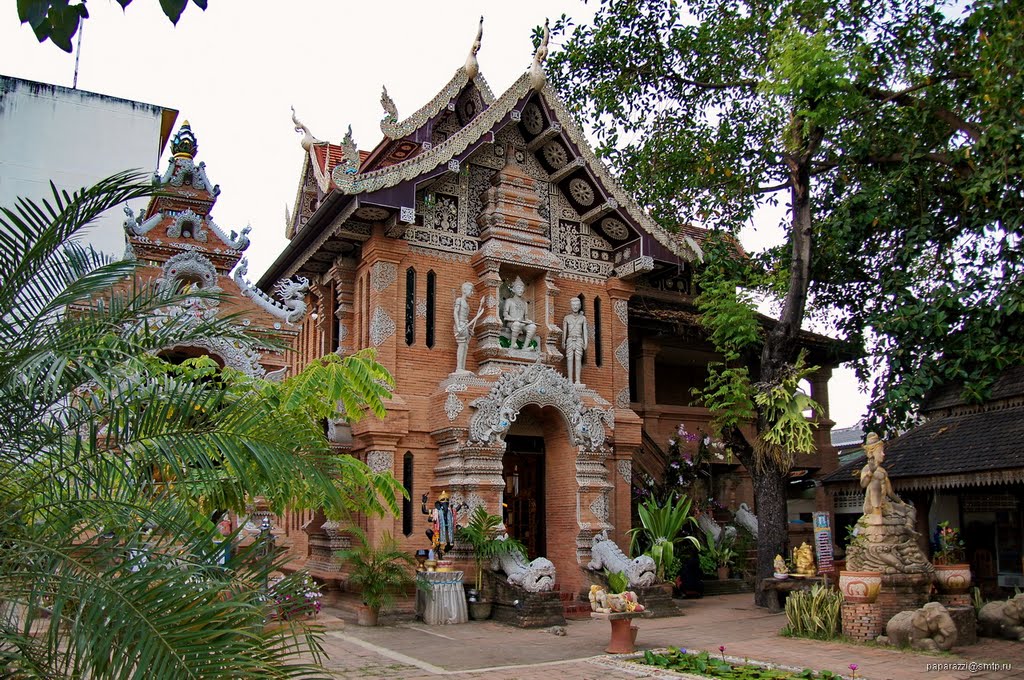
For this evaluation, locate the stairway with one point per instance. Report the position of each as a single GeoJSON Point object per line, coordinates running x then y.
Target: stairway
{"type": "Point", "coordinates": [572, 606]}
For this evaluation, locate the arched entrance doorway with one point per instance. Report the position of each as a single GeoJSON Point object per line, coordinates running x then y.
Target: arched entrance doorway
{"type": "Point", "coordinates": [523, 511]}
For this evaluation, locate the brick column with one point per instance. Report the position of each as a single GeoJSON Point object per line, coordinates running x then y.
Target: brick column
{"type": "Point", "coordinates": [862, 621]}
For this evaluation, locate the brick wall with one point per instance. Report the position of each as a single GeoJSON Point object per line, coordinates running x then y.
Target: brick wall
{"type": "Point", "coordinates": [863, 621]}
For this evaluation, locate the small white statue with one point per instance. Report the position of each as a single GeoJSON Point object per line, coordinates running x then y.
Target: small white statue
{"type": "Point", "coordinates": [574, 340]}
{"type": "Point", "coordinates": [464, 325]}
{"type": "Point", "coordinates": [517, 316]}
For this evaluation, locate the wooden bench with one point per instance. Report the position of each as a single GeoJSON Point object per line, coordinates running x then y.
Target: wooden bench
{"type": "Point", "coordinates": [778, 589]}
{"type": "Point", "coordinates": [623, 638]}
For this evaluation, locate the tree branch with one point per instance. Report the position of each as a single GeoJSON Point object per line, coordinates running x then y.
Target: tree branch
{"type": "Point", "coordinates": [903, 98]}
{"type": "Point", "coordinates": [686, 82]}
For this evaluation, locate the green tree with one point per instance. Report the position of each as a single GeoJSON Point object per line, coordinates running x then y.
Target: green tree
{"type": "Point", "coordinates": [58, 20]}
{"type": "Point", "coordinates": [888, 132]}
{"type": "Point", "coordinates": [112, 463]}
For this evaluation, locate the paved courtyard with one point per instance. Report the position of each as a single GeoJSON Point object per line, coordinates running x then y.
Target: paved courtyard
{"type": "Point", "coordinates": [409, 650]}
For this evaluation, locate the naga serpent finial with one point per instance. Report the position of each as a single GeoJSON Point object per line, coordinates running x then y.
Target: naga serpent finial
{"type": "Point", "coordinates": [537, 69]}
{"type": "Point", "coordinates": [472, 65]}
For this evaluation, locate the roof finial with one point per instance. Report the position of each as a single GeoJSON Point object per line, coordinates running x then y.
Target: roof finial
{"type": "Point", "coordinates": [472, 65]}
{"type": "Point", "coordinates": [389, 106]}
{"type": "Point", "coordinates": [184, 144]}
{"type": "Point", "coordinates": [308, 139]}
{"type": "Point", "coordinates": [350, 154]}
{"type": "Point", "coordinates": [537, 69]}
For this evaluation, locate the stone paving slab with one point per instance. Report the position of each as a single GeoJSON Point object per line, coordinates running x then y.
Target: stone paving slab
{"type": "Point", "coordinates": [412, 650]}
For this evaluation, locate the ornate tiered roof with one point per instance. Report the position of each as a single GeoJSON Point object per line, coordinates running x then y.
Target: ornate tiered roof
{"type": "Point", "coordinates": [342, 194]}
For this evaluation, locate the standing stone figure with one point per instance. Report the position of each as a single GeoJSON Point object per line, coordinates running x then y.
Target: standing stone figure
{"type": "Point", "coordinates": [464, 325]}
{"type": "Point", "coordinates": [874, 479]}
{"type": "Point", "coordinates": [574, 340]}
{"type": "Point", "coordinates": [517, 316]}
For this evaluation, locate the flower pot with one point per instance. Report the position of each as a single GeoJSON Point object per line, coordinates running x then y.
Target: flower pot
{"type": "Point", "coordinates": [480, 611]}
{"type": "Point", "coordinates": [723, 573]}
{"type": "Point", "coordinates": [367, 616]}
{"type": "Point", "coordinates": [953, 579]}
{"type": "Point", "coordinates": [860, 586]}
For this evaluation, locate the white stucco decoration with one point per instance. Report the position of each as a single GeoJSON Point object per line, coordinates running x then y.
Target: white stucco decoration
{"type": "Point", "coordinates": [453, 406]}
{"type": "Point", "coordinates": [622, 354]}
{"type": "Point", "coordinates": [622, 311]}
{"type": "Point", "coordinates": [382, 327]}
{"type": "Point", "coordinates": [625, 470]}
{"type": "Point", "coordinates": [292, 307]}
{"type": "Point", "coordinates": [380, 461]}
{"type": "Point", "coordinates": [541, 386]}
{"type": "Point", "coordinates": [383, 275]}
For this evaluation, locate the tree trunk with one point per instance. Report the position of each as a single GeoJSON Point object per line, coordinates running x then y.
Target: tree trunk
{"type": "Point", "coordinates": [780, 349]}
{"type": "Point", "coordinates": [772, 524]}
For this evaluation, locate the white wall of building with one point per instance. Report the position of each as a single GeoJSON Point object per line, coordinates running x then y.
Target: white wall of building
{"type": "Point", "coordinates": [75, 138]}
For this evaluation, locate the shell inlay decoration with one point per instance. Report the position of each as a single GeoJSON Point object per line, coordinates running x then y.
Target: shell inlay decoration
{"type": "Point", "coordinates": [622, 354]}
{"type": "Point", "coordinates": [622, 398]}
{"type": "Point", "coordinates": [453, 406]}
{"type": "Point", "coordinates": [380, 461]}
{"type": "Point", "coordinates": [382, 327]}
{"type": "Point", "coordinates": [384, 274]}
{"type": "Point", "coordinates": [622, 311]}
{"type": "Point", "coordinates": [625, 470]}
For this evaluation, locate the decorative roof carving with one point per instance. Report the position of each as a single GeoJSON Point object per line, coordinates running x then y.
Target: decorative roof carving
{"type": "Point", "coordinates": [394, 129]}
{"type": "Point", "coordinates": [537, 78]}
{"type": "Point", "coordinates": [308, 139]}
{"type": "Point", "coordinates": [293, 306]}
{"type": "Point", "coordinates": [390, 109]}
{"type": "Point", "coordinates": [350, 155]}
{"type": "Point", "coordinates": [181, 167]}
{"type": "Point", "coordinates": [472, 66]}
{"type": "Point", "coordinates": [541, 385]}
{"type": "Point", "coordinates": [132, 226]}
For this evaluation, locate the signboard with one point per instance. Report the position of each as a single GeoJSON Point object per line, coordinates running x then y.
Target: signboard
{"type": "Point", "coordinates": [823, 542]}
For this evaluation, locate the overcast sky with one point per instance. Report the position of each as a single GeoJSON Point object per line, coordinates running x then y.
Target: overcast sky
{"type": "Point", "coordinates": [234, 70]}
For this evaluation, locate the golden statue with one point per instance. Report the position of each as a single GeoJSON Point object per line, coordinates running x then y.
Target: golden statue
{"type": "Point", "coordinates": [803, 557]}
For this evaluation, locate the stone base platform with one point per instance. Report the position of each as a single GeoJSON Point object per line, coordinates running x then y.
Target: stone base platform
{"type": "Point", "coordinates": [518, 607]}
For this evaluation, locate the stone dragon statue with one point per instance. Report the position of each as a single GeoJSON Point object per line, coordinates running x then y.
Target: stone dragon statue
{"type": "Point", "coordinates": [641, 571]}
{"type": "Point", "coordinates": [537, 576]}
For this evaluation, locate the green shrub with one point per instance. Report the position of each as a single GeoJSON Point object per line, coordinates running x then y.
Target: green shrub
{"type": "Point", "coordinates": [814, 613]}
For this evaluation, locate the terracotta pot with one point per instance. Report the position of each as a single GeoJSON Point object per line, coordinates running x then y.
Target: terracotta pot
{"type": "Point", "coordinates": [367, 616]}
{"type": "Point", "coordinates": [953, 579]}
{"type": "Point", "coordinates": [860, 586]}
{"type": "Point", "coordinates": [723, 573]}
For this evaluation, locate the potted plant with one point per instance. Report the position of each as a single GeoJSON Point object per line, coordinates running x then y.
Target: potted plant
{"type": "Point", "coordinates": [662, 528]}
{"type": "Point", "coordinates": [716, 557]}
{"type": "Point", "coordinates": [859, 587]}
{"type": "Point", "coordinates": [379, 572]}
{"type": "Point", "coordinates": [481, 534]}
{"type": "Point", "coordinates": [952, 574]}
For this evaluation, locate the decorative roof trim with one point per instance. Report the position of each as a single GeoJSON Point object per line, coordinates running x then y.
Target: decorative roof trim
{"type": "Point", "coordinates": [965, 479]}
{"type": "Point", "coordinates": [132, 226]}
{"type": "Point", "coordinates": [439, 154]}
{"type": "Point", "coordinates": [324, 235]}
{"type": "Point", "coordinates": [394, 129]}
{"type": "Point", "coordinates": [611, 183]}
{"type": "Point", "coordinates": [322, 175]}
{"type": "Point", "coordinates": [293, 293]}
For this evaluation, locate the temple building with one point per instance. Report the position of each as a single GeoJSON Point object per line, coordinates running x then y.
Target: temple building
{"type": "Point", "coordinates": [539, 324]}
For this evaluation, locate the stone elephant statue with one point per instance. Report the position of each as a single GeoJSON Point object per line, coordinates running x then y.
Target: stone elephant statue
{"type": "Point", "coordinates": [930, 629]}
{"type": "Point", "coordinates": [1003, 619]}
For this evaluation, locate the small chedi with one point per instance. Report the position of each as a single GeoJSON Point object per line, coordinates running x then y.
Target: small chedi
{"type": "Point", "coordinates": [889, 542]}
{"type": "Point", "coordinates": [1003, 619]}
{"type": "Point", "coordinates": [929, 629]}
{"type": "Point", "coordinates": [641, 571]}
{"type": "Point", "coordinates": [803, 559]}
